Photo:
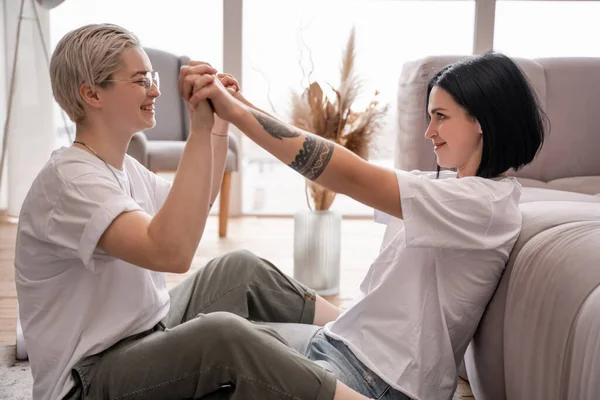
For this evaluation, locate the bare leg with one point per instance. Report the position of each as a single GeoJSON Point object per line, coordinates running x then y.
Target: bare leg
{"type": "Point", "coordinates": [343, 392]}
{"type": "Point", "coordinates": [325, 312]}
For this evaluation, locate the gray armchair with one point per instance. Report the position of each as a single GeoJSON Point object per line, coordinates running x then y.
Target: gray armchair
{"type": "Point", "coordinates": [159, 149]}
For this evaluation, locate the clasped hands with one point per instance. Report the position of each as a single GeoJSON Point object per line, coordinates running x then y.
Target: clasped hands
{"type": "Point", "coordinates": [208, 92]}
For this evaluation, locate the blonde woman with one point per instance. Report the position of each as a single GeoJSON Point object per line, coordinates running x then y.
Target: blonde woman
{"type": "Point", "coordinates": [98, 232]}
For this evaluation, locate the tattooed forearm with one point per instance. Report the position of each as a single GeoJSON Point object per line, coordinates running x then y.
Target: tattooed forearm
{"type": "Point", "coordinates": [312, 160]}
{"type": "Point", "coordinates": [315, 154]}
{"type": "Point", "coordinates": [274, 128]}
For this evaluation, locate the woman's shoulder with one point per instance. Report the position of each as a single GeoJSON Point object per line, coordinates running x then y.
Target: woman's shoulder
{"type": "Point", "coordinates": [448, 181]}
{"type": "Point", "coordinates": [68, 164]}
{"type": "Point", "coordinates": [503, 186]}
{"type": "Point", "coordinates": [434, 175]}
{"type": "Point", "coordinates": [55, 178]}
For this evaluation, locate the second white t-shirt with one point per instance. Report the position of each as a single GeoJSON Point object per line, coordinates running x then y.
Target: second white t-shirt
{"type": "Point", "coordinates": [438, 267]}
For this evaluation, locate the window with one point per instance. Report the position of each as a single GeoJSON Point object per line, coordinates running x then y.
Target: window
{"type": "Point", "coordinates": [388, 33]}
{"type": "Point", "coordinates": [547, 28]}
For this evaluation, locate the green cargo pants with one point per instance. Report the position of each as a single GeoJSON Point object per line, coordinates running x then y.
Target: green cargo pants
{"type": "Point", "coordinates": [206, 342]}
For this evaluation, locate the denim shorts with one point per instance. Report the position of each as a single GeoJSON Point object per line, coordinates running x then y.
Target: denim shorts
{"type": "Point", "coordinates": [337, 358]}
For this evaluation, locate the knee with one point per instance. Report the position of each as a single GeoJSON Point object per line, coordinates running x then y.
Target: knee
{"type": "Point", "coordinates": [242, 257]}
{"type": "Point", "coordinates": [224, 330]}
{"type": "Point", "coordinates": [246, 263]}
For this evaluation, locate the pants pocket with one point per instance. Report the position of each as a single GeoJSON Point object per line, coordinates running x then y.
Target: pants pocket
{"type": "Point", "coordinates": [365, 380]}
{"type": "Point", "coordinates": [82, 373]}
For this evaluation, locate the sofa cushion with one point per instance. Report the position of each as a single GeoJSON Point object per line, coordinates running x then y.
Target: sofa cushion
{"type": "Point", "coordinates": [581, 184]}
{"type": "Point", "coordinates": [530, 194]}
{"type": "Point", "coordinates": [572, 103]}
{"type": "Point", "coordinates": [578, 184]}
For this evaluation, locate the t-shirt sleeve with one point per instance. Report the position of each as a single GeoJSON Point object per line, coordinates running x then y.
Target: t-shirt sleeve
{"type": "Point", "coordinates": [84, 210]}
{"type": "Point", "coordinates": [161, 190]}
{"type": "Point", "coordinates": [468, 213]}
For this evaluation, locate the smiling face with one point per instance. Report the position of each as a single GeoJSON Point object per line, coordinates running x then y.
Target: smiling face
{"type": "Point", "coordinates": [456, 136]}
{"type": "Point", "coordinates": [127, 105]}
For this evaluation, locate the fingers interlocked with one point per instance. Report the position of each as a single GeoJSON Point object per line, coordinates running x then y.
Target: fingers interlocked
{"type": "Point", "coordinates": [198, 75]}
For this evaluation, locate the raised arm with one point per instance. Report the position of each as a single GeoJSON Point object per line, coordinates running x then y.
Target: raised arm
{"type": "Point", "coordinates": [220, 139]}
{"type": "Point", "coordinates": [323, 161]}
{"type": "Point", "coordinates": [315, 158]}
{"type": "Point", "coordinates": [220, 146]}
{"type": "Point", "coordinates": [168, 241]}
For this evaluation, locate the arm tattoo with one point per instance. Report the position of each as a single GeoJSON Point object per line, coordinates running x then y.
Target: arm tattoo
{"type": "Point", "coordinates": [274, 128]}
{"type": "Point", "coordinates": [313, 158]}
{"type": "Point", "coordinates": [315, 154]}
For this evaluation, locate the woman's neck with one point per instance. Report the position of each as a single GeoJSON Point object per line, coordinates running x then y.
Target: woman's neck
{"type": "Point", "coordinates": [108, 147]}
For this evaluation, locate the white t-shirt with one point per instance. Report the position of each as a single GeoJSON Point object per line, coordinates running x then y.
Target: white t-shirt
{"type": "Point", "coordinates": [424, 295]}
{"type": "Point", "coordinates": [74, 299]}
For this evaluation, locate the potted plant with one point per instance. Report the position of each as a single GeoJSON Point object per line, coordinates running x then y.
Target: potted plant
{"type": "Point", "coordinates": [331, 113]}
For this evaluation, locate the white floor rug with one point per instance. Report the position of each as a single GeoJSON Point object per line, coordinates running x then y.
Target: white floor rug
{"type": "Point", "coordinates": [15, 377]}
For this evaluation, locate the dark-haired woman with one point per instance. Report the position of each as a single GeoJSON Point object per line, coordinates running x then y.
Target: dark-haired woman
{"type": "Point", "coordinates": [449, 234]}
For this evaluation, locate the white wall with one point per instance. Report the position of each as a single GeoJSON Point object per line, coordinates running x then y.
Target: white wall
{"type": "Point", "coordinates": [31, 130]}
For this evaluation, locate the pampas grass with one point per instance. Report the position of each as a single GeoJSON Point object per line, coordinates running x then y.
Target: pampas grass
{"type": "Point", "coordinates": [327, 112]}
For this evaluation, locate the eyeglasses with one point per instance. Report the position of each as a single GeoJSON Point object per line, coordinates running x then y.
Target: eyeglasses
{"type": "Point", "coordinates": [150, 79]}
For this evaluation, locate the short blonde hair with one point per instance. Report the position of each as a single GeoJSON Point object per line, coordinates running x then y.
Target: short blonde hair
{"type": "Point", "coordinates": [90, 54]}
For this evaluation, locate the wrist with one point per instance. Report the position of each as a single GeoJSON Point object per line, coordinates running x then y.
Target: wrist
{"type": "Point", "coordinates": [220, 126]}
{"type": "Point", "coordinates": [241, 115]}
{"type": "Point", "coordinates": [203, 132]}
{"type": "Point", "coordinates": [220, 135]}
{"type": "Point", "coordinates": [240, 97]}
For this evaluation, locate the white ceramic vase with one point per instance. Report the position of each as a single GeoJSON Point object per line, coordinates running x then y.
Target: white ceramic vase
{"type": "Point", "coordinates": [317, 237]}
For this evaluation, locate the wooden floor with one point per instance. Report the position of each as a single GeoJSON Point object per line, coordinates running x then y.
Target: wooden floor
{"type": "Point", "coordinates": [270, 238]}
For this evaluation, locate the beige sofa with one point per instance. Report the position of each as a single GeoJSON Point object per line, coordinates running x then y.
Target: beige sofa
{"type": "Point", "coordinates": [540, 336]}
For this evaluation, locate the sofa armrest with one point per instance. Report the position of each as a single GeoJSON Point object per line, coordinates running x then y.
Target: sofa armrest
{"type": "Point", "coordinates": [138, 148]}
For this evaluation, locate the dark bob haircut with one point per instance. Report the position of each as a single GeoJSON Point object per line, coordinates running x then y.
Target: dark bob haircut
{"type": "Point", "coordinates": [493, 90]}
